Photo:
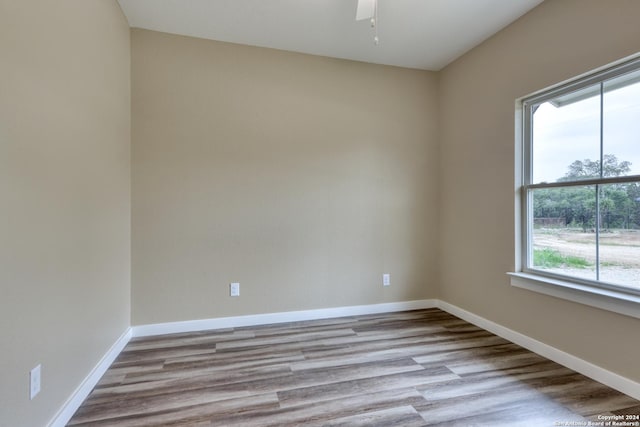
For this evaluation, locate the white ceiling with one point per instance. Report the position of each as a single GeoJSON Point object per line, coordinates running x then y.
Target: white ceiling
{"type": "Point", "coordinates": [425, 34]}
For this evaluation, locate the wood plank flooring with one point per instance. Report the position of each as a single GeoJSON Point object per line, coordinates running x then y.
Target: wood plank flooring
{"type": "Point", "coordinates": [414, 368]}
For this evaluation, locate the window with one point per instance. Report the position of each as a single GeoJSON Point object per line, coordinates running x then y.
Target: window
{"type": "Point", "coordinates": [580, 197]}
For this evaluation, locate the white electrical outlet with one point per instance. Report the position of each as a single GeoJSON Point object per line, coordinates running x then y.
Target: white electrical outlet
{"type": "Point", "coordinates": [34, 382]}
{"type": "Point", "coordinates": [234, 289]}
{"type": "Point", "coordinates": [386, 280]}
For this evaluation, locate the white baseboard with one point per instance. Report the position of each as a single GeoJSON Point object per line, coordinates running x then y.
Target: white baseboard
{"type": "Point", "coordinates": [80, 394]}
{"type": "Point", "coordinates": [588, 369]}
{"type": "Point", "coordinates": [282, 317]}
{"type": "Point", "coordinates": [611, 379]}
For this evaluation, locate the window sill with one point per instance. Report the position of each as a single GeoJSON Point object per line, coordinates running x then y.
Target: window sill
{"type": "Point", "coordinates": [617, 302]}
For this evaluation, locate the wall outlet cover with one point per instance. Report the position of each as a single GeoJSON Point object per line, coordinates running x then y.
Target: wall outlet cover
{"type": "Point", "coordinates": [234, 289]}
{"type": "Point", "coordinates": [386, 280]}
{"type": "Point", "coordinates": [34, 382]}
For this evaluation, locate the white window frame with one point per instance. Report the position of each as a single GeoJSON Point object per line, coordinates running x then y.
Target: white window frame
{"type": "Point", "coordinates": [594, 293]}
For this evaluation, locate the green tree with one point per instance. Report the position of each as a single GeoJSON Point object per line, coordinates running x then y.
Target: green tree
{"type": "Point", "coordinates": [619, 203]}
{"type": "Point", "coordinates": [585, 169]}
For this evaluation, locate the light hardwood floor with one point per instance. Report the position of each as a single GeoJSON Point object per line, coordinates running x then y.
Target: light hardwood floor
{"type": "Point", "coordinates": [415, 368]}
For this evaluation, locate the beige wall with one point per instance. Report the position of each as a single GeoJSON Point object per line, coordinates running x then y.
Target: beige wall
{"type": "Point", "coordinates": [303, 178]}
{"type": "Point", "coordinates": [554, 42]}
{"type": "Point", "coordinates": [64, 197]}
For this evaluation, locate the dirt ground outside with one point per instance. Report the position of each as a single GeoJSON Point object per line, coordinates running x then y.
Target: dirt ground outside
{"type": "Point", "coordinates": [619, 253]}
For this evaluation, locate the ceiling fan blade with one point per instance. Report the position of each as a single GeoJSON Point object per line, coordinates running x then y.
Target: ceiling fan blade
{"type": "Point", "coordinates": [366, 9]}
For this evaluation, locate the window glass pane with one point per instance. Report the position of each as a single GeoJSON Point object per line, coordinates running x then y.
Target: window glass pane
{"type": "Point", "coordinates": [566, 137]}
{"type": "Point", "coordinates": [564, 238]}
{"type": "Point", "coordinates": [621, 125]}
{"type": "Point", "coordinates": [619, 242]}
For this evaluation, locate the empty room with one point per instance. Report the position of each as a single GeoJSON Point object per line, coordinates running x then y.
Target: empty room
{"type": "Point", "coordinates": [319, 213]}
